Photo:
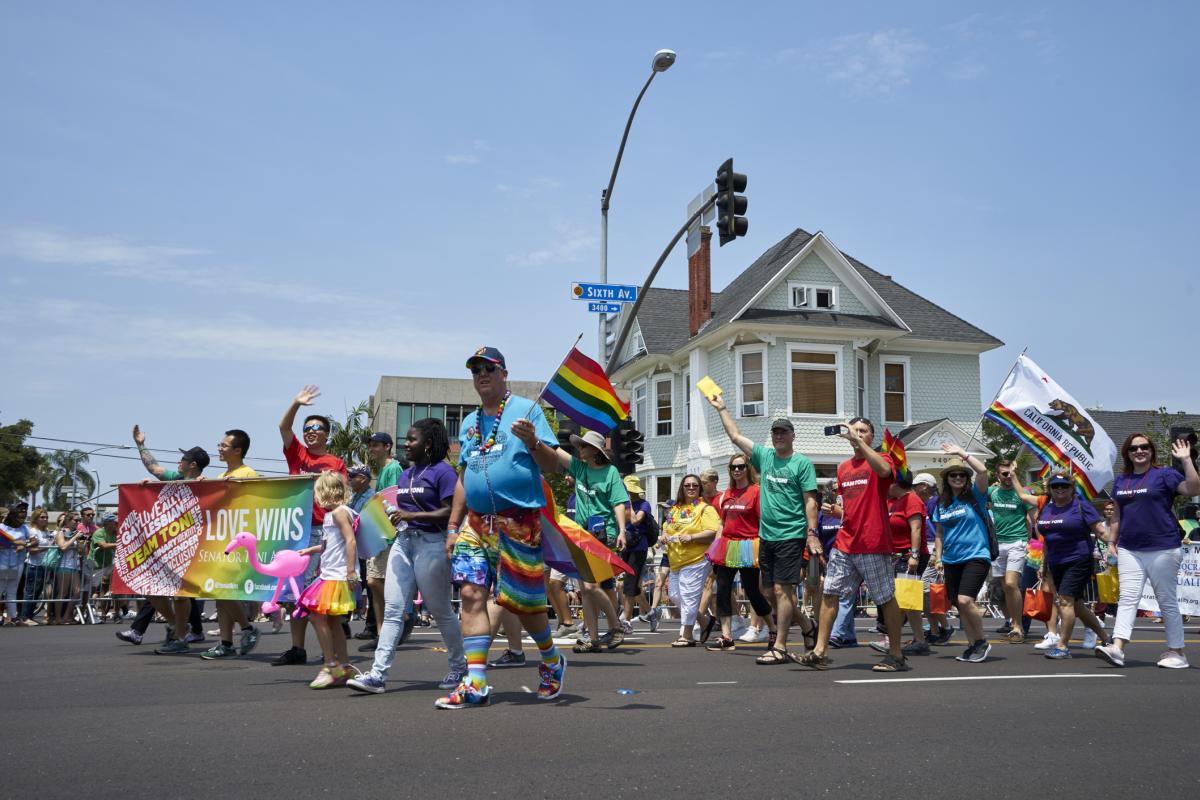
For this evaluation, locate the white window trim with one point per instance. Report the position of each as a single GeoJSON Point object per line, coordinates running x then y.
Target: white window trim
{"type": "Point", "coordinates": [687, 401]}
{"type": "Point", "coordinates": [862, 391]}
{"type": "Point", "coordinates": [639, 344]}
{"type": "Point", "coordinates": [809, 289]}
{"type": "Point", "coordinates": [668, 377]}
{"type": "Point", "coordinates": [839, 378]}
{"type": "Point", "coordinates": [737, 368]}
{"type": "Point", "coordinates": [907, 362]}
{"type": "Point", "coordinates": [642, 384]}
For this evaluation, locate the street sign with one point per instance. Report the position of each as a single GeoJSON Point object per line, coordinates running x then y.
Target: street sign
{"type": "Point", "coordinates": [610, 292]}
{"type": "Point", "coordinates": [605, 308]}
{"type": "Point", "coordinates": [693, 234]}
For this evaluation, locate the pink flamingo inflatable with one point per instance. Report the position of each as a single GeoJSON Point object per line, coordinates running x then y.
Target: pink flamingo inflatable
{"type": "Point", "coordinates": [285, 564]}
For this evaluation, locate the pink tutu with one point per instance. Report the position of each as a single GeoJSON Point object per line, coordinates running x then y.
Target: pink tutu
{"type": "Point", "coordinates": [330, 598]}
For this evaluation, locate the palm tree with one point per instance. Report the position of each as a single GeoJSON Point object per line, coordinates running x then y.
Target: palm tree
{"type": "Point", "coordinates": [348, 440]}
{"type": "Point", "coordinates": [67, 470]}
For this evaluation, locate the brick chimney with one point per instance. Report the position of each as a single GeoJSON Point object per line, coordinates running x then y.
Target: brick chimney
{"type": "Point", "coordinates": [700, 283]}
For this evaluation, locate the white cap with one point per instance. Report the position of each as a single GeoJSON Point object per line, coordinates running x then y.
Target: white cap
{"type": "Point", "coordinates": [926, 479]}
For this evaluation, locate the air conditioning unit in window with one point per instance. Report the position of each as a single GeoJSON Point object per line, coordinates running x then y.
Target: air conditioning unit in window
{"type": "Point", "coordinates": [753, 409]}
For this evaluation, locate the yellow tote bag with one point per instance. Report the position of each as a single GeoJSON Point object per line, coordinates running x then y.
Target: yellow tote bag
{"type": "Point", "coordinates": [1108, 586]}
{"type": "Point", "coordinates": [910, 592]}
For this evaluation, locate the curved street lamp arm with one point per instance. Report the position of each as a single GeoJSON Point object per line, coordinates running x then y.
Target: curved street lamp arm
{"type": "Point", "coordinates": [604, 201]}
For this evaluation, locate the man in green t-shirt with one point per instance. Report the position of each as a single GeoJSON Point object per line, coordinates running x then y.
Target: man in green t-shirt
{"type": "Point", "coordinates": [787, 522]}
{"type": "Point", "coordinates": [1010, 514]}
{"type": "Point", "coordinates": [601, 504]}
{"type": "Point", "coordinates": [387, 474]}
{"type": "Point", "coordinates": [104, 547]}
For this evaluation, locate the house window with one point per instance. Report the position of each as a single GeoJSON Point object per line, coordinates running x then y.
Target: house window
{"type": "Point", "coordinates": [639, 344]}
{"type": "Point", "coordinates": [862, 387]}
{"type": "Point", "coordinates": [808, 296]}
{"type": "Point", "coordinates": [814, 379]}
{"type": "Point", "coordinates": [752, 383]}
{"type": "Point", "coordinates": [687, 401]}
{"type": "Point", "coordinates": [895, 390]}
{"type": "Point", "coordinates": [663, 406]}
{"type": "Point", "coordinates": [639, 407]}
{"type": "Point", "coordinates": [662, 489]}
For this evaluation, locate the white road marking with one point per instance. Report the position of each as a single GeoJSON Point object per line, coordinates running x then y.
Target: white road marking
{"type": "Point", "coordinates": [985, 678]}
{"type": "Point", "coordinates": [714, 683]}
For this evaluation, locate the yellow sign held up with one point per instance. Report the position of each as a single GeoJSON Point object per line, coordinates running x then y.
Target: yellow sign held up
{"type": "Point", "coordinates": [708, 387]}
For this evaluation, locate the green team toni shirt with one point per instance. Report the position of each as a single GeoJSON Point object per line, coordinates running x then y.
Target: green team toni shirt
{"type": "Point", "coordinates": [597, 491]}
{"type": "Point", "coordinates": [1008, 512]}
{"type": "Point", "coordinates": [783, 482]}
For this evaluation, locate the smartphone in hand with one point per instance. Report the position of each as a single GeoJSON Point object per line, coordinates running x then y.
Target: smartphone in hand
{"type": "Point", "coordinates": [834, 430]}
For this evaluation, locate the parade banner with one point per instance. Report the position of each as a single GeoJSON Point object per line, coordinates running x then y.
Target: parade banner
{"type": "Point", "coordinates": [173, 536]}
{"type": "Point", "coordinates": [1054, 426]}
{"type": "Point", "coordinates": [1189, 585]}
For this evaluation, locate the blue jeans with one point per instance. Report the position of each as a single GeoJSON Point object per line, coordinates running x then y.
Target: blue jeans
{"type": "Point", "coordinates": [35, 583]}
{"type": "Point", "coordinates": [418, 561]}
{"type": "Point", "coordinates": [843, 626]}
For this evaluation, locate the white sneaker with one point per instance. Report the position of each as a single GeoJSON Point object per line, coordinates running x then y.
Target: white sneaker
{"type": "Point", "coordinates": [750, 635]}
{"type": "Point", "coordinates": [1048, 642]}
{"type": "Point", "coordinates": [1172, 660]}
{"type": "Point", "coordinates": [1111, 654]}
{"type": "Point", "coordinates": [1089, 639]}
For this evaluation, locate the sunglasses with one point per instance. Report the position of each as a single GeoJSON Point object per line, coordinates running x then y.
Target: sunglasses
{"type": "Point", "coordinates": [308, 428]}
{"type": "Point", "coordinates": [691, 486]}
{"type": "Point", "coordinates": [957, 476]}
{"type": "Point", "coordinates": [1134, 448]}
{"type": "Point", "coordinates": [737, 466]}
{"type": "Point", "coordinates": [1054, 486]}
{"type": "Point", "coordinates": [480, 368]}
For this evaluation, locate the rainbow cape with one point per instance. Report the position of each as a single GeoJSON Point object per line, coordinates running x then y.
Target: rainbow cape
{"type": "Point", "coordinates": [893, 447]}
{"type": "Point", "coordinates": [573, 551]}
{"type": "Point", "coordinates": [582, 392]}
{"type": "Point", "coordinates": [375, 531]}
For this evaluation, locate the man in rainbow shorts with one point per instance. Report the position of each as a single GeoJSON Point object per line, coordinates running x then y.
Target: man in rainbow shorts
{"type": "Point", "coordinates": [495, 530]}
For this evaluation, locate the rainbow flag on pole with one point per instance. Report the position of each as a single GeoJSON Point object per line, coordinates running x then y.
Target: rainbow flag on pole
{"type": "Point", "coordinates": [892, 446]}
{"type": "Point", "coordinates": [582, 392]}
{"type": "Point", "coordinates": [573, 551]}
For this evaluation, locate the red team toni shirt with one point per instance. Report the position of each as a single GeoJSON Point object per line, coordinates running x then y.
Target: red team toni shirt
{"type": "Point", "coordinates": [739, 511]}
{"type": "Point", "coordinates": [865, 526]}
{"type": "Point", "coordinates": [301, 462]}
{"type": "Point", "coordinates": [900, 511]}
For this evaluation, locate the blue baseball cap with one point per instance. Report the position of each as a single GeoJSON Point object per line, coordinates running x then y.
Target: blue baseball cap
{"type": "Point", "coordinates": [489, 354]}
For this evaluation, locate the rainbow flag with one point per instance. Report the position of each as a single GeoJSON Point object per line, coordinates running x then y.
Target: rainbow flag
{"type": "Point", "coordinates": [374, 531]}
{"type": "Point", "coordinates": [582, 392]}
{"type": "Point", "coordinates": [573, 551]}
{"type": "Point", "coordinates": [893, 447]}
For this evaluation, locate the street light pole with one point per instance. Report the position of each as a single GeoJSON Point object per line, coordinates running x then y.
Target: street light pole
{"type": "Point", "coordinates": [661, 62]}
{"type": "Point", "coordinates": [75, 465]}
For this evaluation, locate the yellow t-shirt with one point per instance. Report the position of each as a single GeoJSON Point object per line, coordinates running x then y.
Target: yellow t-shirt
{"type": "Point", "coordinates": [686, 519]}
{"type": "Point", "coordinates": [240, 472]}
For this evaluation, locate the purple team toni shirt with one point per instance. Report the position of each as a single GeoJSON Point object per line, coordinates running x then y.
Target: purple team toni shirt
{"type": "Point", "coordinates": [1067, 530]}
{"type": "Point", "coordinates": [1147, 506]}
{"type": "Point", "coordinates": [425, 488]}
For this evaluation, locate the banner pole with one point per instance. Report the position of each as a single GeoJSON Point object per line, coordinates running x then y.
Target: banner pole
{"type": "Point", "coordinates": [979, 424]}
{"type": "Point", "coordinates": [546, 385]}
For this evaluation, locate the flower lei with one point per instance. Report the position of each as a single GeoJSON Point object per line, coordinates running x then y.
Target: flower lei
{"type": "Point", "coordinates": [491, 440]}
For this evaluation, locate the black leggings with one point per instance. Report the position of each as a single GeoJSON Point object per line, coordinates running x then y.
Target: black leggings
{"type": "Point", "coordinates": [749, 586]}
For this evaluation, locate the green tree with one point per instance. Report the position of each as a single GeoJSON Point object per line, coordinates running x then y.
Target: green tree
{"type": "Point", "coordinates": [348, 439]}
{"type": "Point", "coordinates": [67, 471]}
{"type": "Point", "coordinates": [1000, 441]}
{"type": "Point", "coordinates": [19, 463]}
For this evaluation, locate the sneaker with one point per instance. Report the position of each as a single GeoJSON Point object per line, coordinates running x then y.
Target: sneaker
{"type": "Point", "coordinates": [1006, 628]}
{"type": "Point", "coordinates": [1089, 639]}
{"type": "Point", "coordinates": [131, 636]}
{"type": "Point", "coordinates": [980, 654]}
{"type": "Point", "coordinates": [509, 659]}
{"type": "Point", "coordinates": [464, 696]}
{"type": "Point", "coordinates": [453, 678]}
{"type": "Point", "coordinates": [368, 684]}
{"type": "Point", "coordinates": [173, 647]}
{"type": "Point", "coordinates": [1048, 642]}
{"type": "Point", "coordinates": [220, 651]}
{"type": "Point", "coordinates": [721, 645]}
{"type": "Point", "coordinates": [247, 640]}
{"type": "Point", "coordinates": [366, 633]}
{"type": "Point", "coordinates": [324, 679]}
{"type": "Point", "coordinates": [943, 637]}
{"type": "Point", "coordinates": [341, 675]}
{"type": "Point", "coordinates": [915, 649]}
{"type": "Point", "coordinates": [551, 683]}
{"type": "Point", "coordinates": [585, 646]}
{"type": "Point", "coordinates": [838, 643]}
{"type": "Point", "coordinates": [193, 638]}
{"type": "Point", "coordinates": [612, 639]}
{"type": "Point", "coordinates": [368, 647]}
{"type": "Point", "coordinates": [1057, 652]}
{"type": "Point", "coordinates": [290, 657]}
{"type": "Point", "coordinates": [751, 635]}
{"type": "Point", "coordinates": [1111, 654]}
{"type": "Point", "coordinates": [561, 632]}
{"type": "Point", "coordinates": [966, 654]}
{"type": "Point", "coordinates": [881, 646]}
{"type": "Point", "coordinates": [655, 616]}
{"type": "Point", "coordinates": [626, 627]}
{"type": "Point", "coordinates": [1173, 660]}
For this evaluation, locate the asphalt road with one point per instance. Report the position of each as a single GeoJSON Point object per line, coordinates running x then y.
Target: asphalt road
{"type": "Point", "coordinates": [86, 716]}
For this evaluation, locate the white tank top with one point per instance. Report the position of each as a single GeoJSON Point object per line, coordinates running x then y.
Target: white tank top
{"type": "Point", "coordinates": [333, 558]}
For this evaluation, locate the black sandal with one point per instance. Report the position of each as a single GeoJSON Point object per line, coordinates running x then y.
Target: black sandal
{"type": "Point", "coordinates": [890, 664]}
{"type": "Point", "coordinates": [708, 629]}
{"type": "Point", "coordinates": [810, 636]}
{"type": "Point", "coordinates": [773, 657]}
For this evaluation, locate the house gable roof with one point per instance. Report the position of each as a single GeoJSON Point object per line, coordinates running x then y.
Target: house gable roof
{"type": "Point", "coordinates": [1120, 424]}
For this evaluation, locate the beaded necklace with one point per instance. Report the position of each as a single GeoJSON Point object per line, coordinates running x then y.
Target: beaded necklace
{"type": "Point", "coordinates": [491, 440]}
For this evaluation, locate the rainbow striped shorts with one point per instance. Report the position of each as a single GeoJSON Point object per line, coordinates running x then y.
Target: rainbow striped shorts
{"type": "Point", "coordinates": [503, 552]}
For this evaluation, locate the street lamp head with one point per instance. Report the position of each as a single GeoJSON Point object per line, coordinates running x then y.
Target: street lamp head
{"type": "Point", "coordinates": [663, 60]}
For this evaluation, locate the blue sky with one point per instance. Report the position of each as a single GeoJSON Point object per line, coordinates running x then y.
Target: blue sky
{"type": "Point", "coordinates": [207, 206]}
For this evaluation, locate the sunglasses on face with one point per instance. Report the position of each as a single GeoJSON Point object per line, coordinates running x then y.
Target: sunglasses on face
{"type": "Point", "coordinates": [1136, 448]}
{"type": "Point", "coordinates": [479, 369]}
{"type": "Point", "coordinates": [691, 486]}
{"type": "Point", "coordinates": [958, 476]}
{"type": "Point", "coordinates": [308, 428]}
{"type": "Point", "coordinates": [1062, 486]}
{"type": "Point", "coordinates": [737, 466]}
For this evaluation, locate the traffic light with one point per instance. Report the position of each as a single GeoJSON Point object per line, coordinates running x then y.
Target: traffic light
{"type": "Point", "coordinates": [566, 428]}
{"type": "Point", "coordinates": [627, 446]}
{"type": "Point", "coordinates": [730, 205]}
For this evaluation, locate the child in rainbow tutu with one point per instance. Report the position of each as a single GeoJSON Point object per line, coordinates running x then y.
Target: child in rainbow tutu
{"type": "Point", "coordinates": [331, 596]}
